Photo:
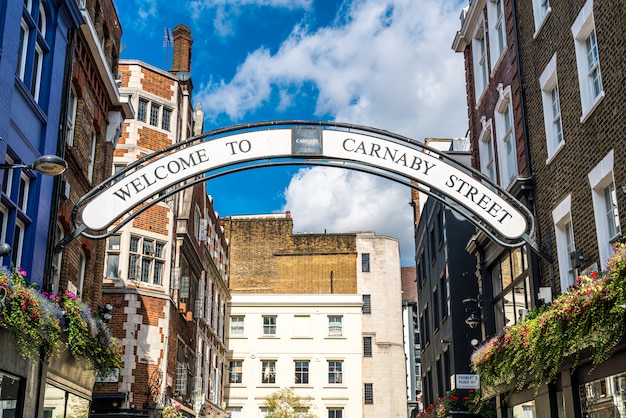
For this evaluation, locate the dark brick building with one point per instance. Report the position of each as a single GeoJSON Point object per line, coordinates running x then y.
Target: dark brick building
{"type": "Point", "coordinates": [564, 64]}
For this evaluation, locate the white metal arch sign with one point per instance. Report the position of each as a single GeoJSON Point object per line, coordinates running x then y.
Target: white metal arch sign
{"type": "Point", "coordinates": [310, 143]}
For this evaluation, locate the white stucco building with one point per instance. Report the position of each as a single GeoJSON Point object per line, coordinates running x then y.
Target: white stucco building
{"type": "Point", "coordinates": [339, 345]}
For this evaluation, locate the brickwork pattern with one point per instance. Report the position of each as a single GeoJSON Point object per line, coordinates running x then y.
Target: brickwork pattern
{"type": "Point", "coordinates": [156, 84]}
{"type": "Point", "coordinates": [266, 257]}
{"type": "Point", "coordinates": [588, 142]}
{"type": "Point", "coordinates": [505, 73]}
{"type": "Point", "coordinates": [155, 219]}
{"type": "Point", "coordinates": [152, 139]}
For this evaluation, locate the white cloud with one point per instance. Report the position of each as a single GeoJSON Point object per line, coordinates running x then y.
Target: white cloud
{"type": "Point", "coordinates": [335, 200]}
{"type": "Point", "coordinates": [383, 64]}
{"type": "Point", "coordinates": [388, 65]}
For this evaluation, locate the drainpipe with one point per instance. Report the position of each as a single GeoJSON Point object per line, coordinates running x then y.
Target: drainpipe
{"type": "Point", "coordinates": [535, 260]}
{"type": "Point", "coordinates": [54, 207]}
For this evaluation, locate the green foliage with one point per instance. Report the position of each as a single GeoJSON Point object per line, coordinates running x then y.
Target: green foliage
{"type": "Point", "coordinates": [285, 404]}
{"type": "Point", "coordinates": [172, 410]}
{"type": "Point", "coordinates": [472, 403]}
{"type": "Point", "coordinates": [588, 318]}
{"type": "Point", "coordinates": [40, 320]}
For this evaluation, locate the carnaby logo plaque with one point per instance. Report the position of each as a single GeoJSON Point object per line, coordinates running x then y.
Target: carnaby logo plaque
{"type": "Point", "coordinates": [306, 140]}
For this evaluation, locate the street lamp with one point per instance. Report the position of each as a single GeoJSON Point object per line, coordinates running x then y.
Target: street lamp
{"type": "Point", "coordinates": [50, 165]}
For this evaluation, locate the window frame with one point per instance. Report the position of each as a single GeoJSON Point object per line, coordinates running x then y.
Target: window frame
{"type": "Point", "coordinates": [142, 109]}
{"type": "Point", "coordinates": [137, 257]}
{"type": "Point", "coordinates": [70, 120]}
{"type": "Point", "coordinates": [235, 371]}
{"type": "Point", "coordinates": [553, 121]}
{"type": "Point", "coordinates": [506, 138]}
{"type": "Point", "coordinates": [563, 227]}
{"type": "Point", "coordinates": [365, 262]}
{"type": "Point", "coordinates": [368, 393]}
{"type": "Point", "coordinates": [335, 372]}
{"type": "Point", "coordinates": [367, 304]}
{"type": "Point", "coordinates": [540, 14]}
{"type": "Point", "coordinates": [302, 370]}
{"type": "Point", "coordinates": [486, 150]}
{"type": "Point", "coordinates": [236, 325]}
{"type": "Point", "coordinates": [582, 29]}
{"type": "Point", "coordinates": [268, 372]}
{"type": "Point", "coordinates": [92, 155]}
{"type": "Point", "coordinates": [335, 325]}
{"type": "Point", "coordinates": [269, 325]}
{"type": "Point", "coordinates": [600, 178]}
{"type": "Point", "coordinates": [480, 60]}
{"type": "Point", "coordinates": [497, 25]}
{"type": "Point", "coordinates": [367, 346]}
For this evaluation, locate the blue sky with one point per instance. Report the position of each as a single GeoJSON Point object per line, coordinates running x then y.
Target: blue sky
{"type": "Point", "coordinates": [381, 63]}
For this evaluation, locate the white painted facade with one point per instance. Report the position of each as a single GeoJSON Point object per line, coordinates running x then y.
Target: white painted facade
{"type": "Point", "coordinates": [302, 334]}
{"type": "Point", "coordinates": [386, 368]}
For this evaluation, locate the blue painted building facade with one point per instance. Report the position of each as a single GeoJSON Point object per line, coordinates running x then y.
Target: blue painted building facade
{"type": "Point", "coordinates": [35, 37]}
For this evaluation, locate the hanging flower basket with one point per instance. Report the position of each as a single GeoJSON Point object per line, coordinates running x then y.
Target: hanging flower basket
{"type": "Point", "coordinates": [588, 318]}
{"type": "Point", "coordinates": [40, 320]}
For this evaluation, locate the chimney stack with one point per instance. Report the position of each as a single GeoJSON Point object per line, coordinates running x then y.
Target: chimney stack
{"type": "Point", "coordinates": [181, 61]}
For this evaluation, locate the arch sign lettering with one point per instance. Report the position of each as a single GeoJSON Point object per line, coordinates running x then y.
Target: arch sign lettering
{"type": "Point", "coordinates": [306, 143]}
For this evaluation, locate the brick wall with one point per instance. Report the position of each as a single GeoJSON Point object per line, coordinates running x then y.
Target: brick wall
{"type": "Point", "coordinates": [156, 84]}
{"type": "Point", "coordinates": [586, 143]}
{"type": "Point", "coordinates": [266, 257]}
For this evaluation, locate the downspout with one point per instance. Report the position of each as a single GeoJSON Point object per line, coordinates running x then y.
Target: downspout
{"type": "Point", "coordinates": [54, 207]}
{"type": "Point", "coordinates": [530, 197]}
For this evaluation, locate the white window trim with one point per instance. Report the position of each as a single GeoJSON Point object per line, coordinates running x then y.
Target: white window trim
{"type": "Point", "coordinates": [505, 101]}
{"type": "Point", "coordinates": [80, 277]}
{"type": "Point", "coordinates": [540, 20]}
{"type": "Point", "coordinates": [92, 156]}
{"type": "Point", "coordinates": [71, 118]}
{"type": "Point", "coordinates": [39, 57]}
{"type": "Point", "coordinates": [3, 225]}
{"type": "Point", "coordinates": [583, 26]}
{"type": "Point", "coordinates": [479, 84]}
{"type": "Point", "coordinates": [55, 271]}
{"type": "Point", "coordinates": [21, 69]}
{"type": "Point", "coordinates": [560, 216]}
{"type": "Point", "coordinates": [20, 240]}
{"type": "Point", "coordinates": [494, 47]}
{"type": "Point", "coordinates": [485, 147]}
{"type": "Point", "coordinates": [599, 178]}
{"type": "Point", "coordinates": [548, 81]}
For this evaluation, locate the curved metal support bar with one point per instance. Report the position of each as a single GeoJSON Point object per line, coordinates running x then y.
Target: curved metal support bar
{"type": "Point", "coordinates": [334, 164]}
{"type": "Point", "coordinates": [385, 166]}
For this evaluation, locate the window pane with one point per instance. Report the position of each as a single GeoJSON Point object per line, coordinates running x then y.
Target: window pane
{"type": "Point", "coordinates": [114, 242]}
{"type": "Point", "coordinates": [367, 308]}
{"type": "Point", "coordinates": [301, 372]}
{"type": "Point", "coordinates": [10, 397]}
{"type": "Point", "coordinates": [269, 325]}
{"type": "Point", "coordinates": [365, 262]}
{"type": "Point", "coordinates": [154, 114]}
{"type": "Point", "coordinates": [142, 110]}
{"type": "Point", "coordinates": [167, 115]}
{"type": "Point", "coordinates": [334, 325]}
{"type": "Point", "coordinates": [236, 325]}
{"type": "Point", "coordinates": [236, 371]}
{"type": "Point", "coordinates": [367, 346]}
{"type": "Point", "coordinates": [369, 393]}
{"type": "Point", "coordinates": [113, 265]}
{"type": "Point", "coordinates": [612, 215]}
{"type": "Point", "coordinates": [335, 374]}
{"type": "Point", "coordinates": [158, 273]}
{"type": "Point", "coordinates": [268, 372]}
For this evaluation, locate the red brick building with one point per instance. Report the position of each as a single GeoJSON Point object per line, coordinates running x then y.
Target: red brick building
{"type": "Point", "coordinates": [166, 270]}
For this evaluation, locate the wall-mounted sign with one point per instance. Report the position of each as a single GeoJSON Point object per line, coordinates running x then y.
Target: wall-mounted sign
{"type": "Point", "coordinates": [425, 166]}
{"type": "Point", "coordinates": [467, 381]}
